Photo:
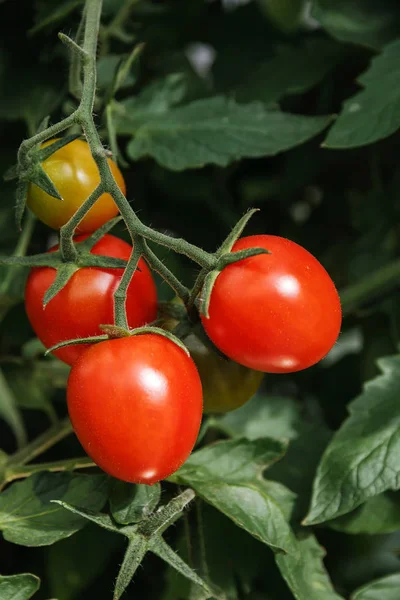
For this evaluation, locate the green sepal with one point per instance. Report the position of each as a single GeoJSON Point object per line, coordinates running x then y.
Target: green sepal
{"type": "Point", "coordinates": [158, 331]}
{"type": "Point", "coordinates": [100, 519]}
{"type": "Point", "coordinates": [143, 537]}
{"type": "Point", "coordinates": [206, 292]}
{"type": "Point", "coordinates": [134, 555]}
{"type": "Point", "coordinates": [54, 259]}
{"type": "Point", "coordinates": [161, 549]}
{"type": "Point", "coordinates": [44, 153]}
{"type": "Point", "coordinates": [233, 257]}
{"type": "Point", "coordinates": [236, 232]}
{"type": "Point", "coordinates": [89, 340]}
{"type": "Point", "coordinates": [43, 181]}
{"type": "Point", "coordinates": [64, 274]}
{"type": "Point", "coordinates": [20, 196]}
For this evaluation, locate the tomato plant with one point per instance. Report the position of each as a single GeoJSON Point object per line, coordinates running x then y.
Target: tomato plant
{"type": "Point", "coordinates": [220, 116]}
{"type": "Point", "coordinates": [136, 405]}
{"type": "Point", "coordinates": [75, 175]}
{"type": "Point", "coordinates": [87, 300]}
{"type": "Point", "coordinates": [277, 313]}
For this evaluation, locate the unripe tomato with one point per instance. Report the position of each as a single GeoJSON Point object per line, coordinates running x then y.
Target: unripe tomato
{"type": "Point", "coordinates": [136, 404]}
{"type": "Point", "coordinates": [74, 173]}
{"type": "Point", "coordinates": [276, 313]}
{"type": "Point", "coordinates": [87, 300]}
{"type": "Point", "coordinates": [226, 384]}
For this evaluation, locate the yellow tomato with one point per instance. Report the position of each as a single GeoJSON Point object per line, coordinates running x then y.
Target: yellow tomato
{"type": "Point", "coordinates": [74, 173]}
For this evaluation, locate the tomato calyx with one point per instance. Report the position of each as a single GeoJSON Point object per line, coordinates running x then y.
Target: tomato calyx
{"type": "Point", "coordinates": [29, 170]}
{"type": "Point", "coordinates": [114, 332]}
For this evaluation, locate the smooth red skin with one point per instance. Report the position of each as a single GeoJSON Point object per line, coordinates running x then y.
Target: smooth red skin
{"type": "Point", "coordinates": [136, 404]}
{"type": "Point", "coordinates": [276, 313]}
{"type": "Point", "coordinates": [87, 300]}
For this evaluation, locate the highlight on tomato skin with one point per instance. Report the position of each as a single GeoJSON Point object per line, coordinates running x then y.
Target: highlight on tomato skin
{"type": "Point", "coordinates": [135, 404]}
{"type": "Point", "coordinates": [87, 300]}
{"type": "Point", "coordinates": [276, 313]}
{"type": "Point", "coordinates": [74, 173]}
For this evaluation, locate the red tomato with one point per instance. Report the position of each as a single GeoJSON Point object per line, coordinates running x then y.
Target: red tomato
{"type": "Point", "coordinates": [276, 313]}
{"type": "Point", "coordinates": [135, 404]}
{"type": "Point", "coordinates": [87, 300]}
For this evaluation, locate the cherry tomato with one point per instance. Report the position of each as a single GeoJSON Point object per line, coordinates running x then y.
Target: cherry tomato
{"type": "Point", "coordinates": [87, 300]}
{"type": "Point", "coordinates": [135, 404]}
{"type": "Point", "coordinates": [276, 313]}
{"type": "Point", "coordinates": [74, 173]}
{"type": "Point", "coordinates": [226, 384]}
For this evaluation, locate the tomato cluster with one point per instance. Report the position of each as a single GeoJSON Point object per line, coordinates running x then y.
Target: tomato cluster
{"type": "Point", "coordinates": [136, 402]}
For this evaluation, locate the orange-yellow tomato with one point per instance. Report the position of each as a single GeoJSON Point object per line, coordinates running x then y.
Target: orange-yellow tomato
{"type": "Point", "coordinates": [74, 173]}
{"type": "Point", "coordinates": [226, 384]}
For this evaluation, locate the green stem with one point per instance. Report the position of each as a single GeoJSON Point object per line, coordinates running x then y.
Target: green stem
{"type": "Point", "coordinates": [202, 544]}
{"type": "Point", "coordinates": [120, 317]}
{"type": "Point", "coordinates": [195, 291]}
{"type": "Point", "coordinates": [44, 135]}
{"type": "Point", "coordinates": [67, 246]}
{"type": "Point", "coordinates": [25, 236]}
{"type": "Point", "coordinates": [69, 464]}
{"type": "Point", "coordinates": [75, 80]}
{"type": "Point", "coordinates": [84, 116]}
{"type": "Point", "coordinates": [157, 265]}
{"type": "Point", "coordinates": [42, 443]}
{"type": "Point", "coordinates": [371, 287]}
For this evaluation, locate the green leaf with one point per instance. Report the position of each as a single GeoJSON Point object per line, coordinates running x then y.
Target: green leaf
{"type": "Point", "coordinates": [31, 96]}
{"type": "Point", "coordinates": [293, 70]}
{"type": "Point", "coordinates": [373, 113]}
{"type": "Point", "coordinates": [106, 70]}
{"type": "Point", "coordinates": [18, 587]}
{"type": "Point", "coordinates": [297, 468]}
{"type": "Point", "coordinates": [131, 503]}
{"type": "Point", "coordinates": [228, 475]}
{"type": "Point", "coordinates": [378, 515]}
{"type": "Point", "coordinates": [33, 383]}
{"type": "Point", "coordinates": [304, 571]}
{"type": "Point", "coordinates": [264, 416]}
{"type": "Point", "coordinates": [12, 285]}
{"type": "Point", "coordinates": [47, 14]}
{"type": "Point", "coordinates": [285, 14]}
{"type": "Point", "coordinates": [217, 131]}
{"type": "Point", "coordinates": [9, 411]}
{"type": "Point", "coordinates": [156, 99]}
{"type": "Point", "coordinates": [74, 563]}
{"type": "Point", "coordinates": [386, 588]}
{"type": "Point", "coordinates": [28, 516]}
{"type": "Point", "coordinates": [363, 458]}
{"type": "Point", "coordinates": [359, 21]}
